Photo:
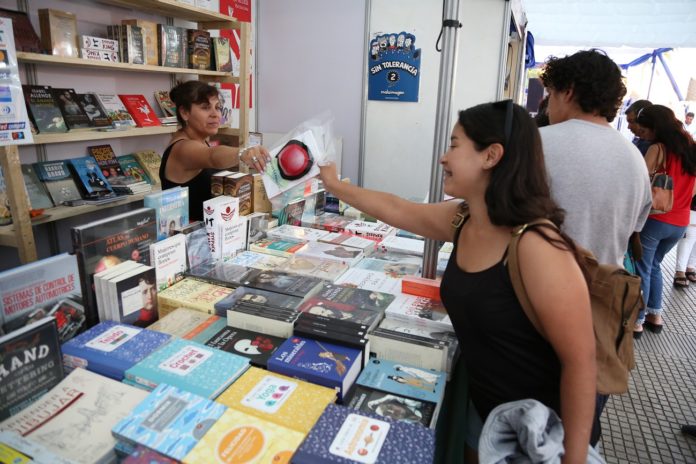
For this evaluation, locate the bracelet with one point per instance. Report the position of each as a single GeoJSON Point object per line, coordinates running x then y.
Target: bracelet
{"type": "Point", "coordinates": [241, 152]}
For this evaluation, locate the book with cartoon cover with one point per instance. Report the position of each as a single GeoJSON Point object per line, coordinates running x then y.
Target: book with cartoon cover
{"type": "Point", "coordinates": [395, 407]}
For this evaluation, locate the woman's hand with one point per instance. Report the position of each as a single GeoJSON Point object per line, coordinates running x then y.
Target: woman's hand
{"type": "Point", "coordinates": [328, 175]}
{"type": "Point", "coordinates": [256, 157]}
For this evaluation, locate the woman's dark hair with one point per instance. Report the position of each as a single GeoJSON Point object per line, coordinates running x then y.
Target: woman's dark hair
{"type": "Point", "coordinates": [189, 93]}
{"type": "Point", "coordinates": [594, 78]}
{"type": "Point", "coordinates": [669, 131]}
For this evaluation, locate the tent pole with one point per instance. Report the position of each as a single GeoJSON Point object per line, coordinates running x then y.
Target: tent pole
{"type": "Point", "coordinates": [448, 68]}
{"type": "Point", "coordinates": [652, 74]}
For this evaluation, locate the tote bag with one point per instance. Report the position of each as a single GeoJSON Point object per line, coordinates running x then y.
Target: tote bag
{"type": "Point", "coordinates": [662, 185]}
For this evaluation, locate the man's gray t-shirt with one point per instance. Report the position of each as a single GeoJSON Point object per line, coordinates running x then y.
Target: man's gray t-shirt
{"type": "Point", "coordinates": [600, 179]}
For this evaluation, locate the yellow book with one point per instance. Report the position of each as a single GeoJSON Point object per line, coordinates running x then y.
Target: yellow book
{"type": "Point", "coordinates": [282, 400]}
{"type": "Point", "coordinates": [241, 438]}
{"type": "Point", "coordinates": [181, 321]}
{"type": "Point", "coordinates": [192, 294]}
{"type": "Point", "coordinates": [150, 160]}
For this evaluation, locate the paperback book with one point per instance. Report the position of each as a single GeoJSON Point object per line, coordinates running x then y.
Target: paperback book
{"type": "Point", "coordinates": [287, 231]}
{"type": "Point", "coordinates": [43, 109]}
{"type": "Point", "coordinates": [149, 36]}
{"type": "Point", "coordinates": [282, 282]}
{"type": "Point", "coordinates": [165, 102]}
{"type": "Point", "coordinates": [193, 294]}
{"type": "Point", "coordinates": [255, 346]}
{"type": "Point", "coordinates": [58, 32]}
{"type": "Point", "coordinates": [90, 178]}
{"type": "Point", "coordinates": [96, 113]}
{"type": "Point", "coordinates": [348, 240]}
{"type": "Point", "coordinates": [171, 208]}
{"type": "Point", "coordinates": [393, 269]}
{"type": "Point", "coordinates": [407, 245]}
{"type": "Point", "coordinates": [318, 267]}
{"type": "Point", "coordinates": [168, 257]}
{"type": "Point", "coordinates": [370, 280]}
{"type": "Point", "coordinates": [258, 260]}
{"type": "Point", "coordinates": [115, 110]}
{"type": "Point", "coordinates": [199, 49]}
{"type": "Point", "coordinates": [277, 247]}
{"type": "Point", "coordinates": [222, 54]}
{"type": "Point", "coordinates": [38, 195]}
{"type": "Point", "coordinates": [404, 379]}
{"type": "Point", "coordinates": [183, 321]}
{"type": "Point", "coordinates": [420, 311]}
{"type": "Point", "coordinates": [391, 405]}
{"type": "Point", "coordinates": [140, 110]}
{"type": "Point", "coordinates": [74, 115]}
{"type": "Point", "coordinates": [222, 273]}
{"type": "Point", "coordinates": [132, 168]}
{"type": "Point", "coordinates": [134, 297]}
{"type": "Point", "coordinates": [150, 160]}
{"type": "Point", "coordinates": [172, 45]}
{"type": "Point", "coordinates": [16, 449]}
{"type": "Point", "coordinates": [106, 159]}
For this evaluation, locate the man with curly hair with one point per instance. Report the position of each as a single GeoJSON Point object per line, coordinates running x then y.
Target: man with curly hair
{"type": "Point", "coordinates": [596, 174]}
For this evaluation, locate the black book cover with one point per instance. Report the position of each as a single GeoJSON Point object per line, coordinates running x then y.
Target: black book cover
{"type": "Point", "coordinates": [352, 297]}
{"type": "Point", "coordinates": [282, 282]}
{"type": "Point", "coordinates": [73, 114]}
{"type": "Point", "coordinates": [326, 322]}
{"type": "Point", "coordinates": [256, 346]}
{"type": "Point", "coordinates": [94, 110]}
{"type": "Point", "coordinates": [257, 297]}
{"type": "Point", "coordinates": [43, 109]}
{"type": "Point", "coordinates": [220, 273]}
{"type": "Point", "coordinates": [30, 365]}
{"type": "Point", "coordinates": [102, 244]}
{"type": "Point", "coordinates": [58, 181]}
{"type": "Point", "coordinates": [396, 407]}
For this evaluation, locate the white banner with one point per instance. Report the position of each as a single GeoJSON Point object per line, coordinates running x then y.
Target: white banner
{"type": "Point", "coordinates": [15, 128]}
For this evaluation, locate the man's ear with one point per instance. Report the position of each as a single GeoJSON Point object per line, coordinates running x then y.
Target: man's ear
{"type": "Point", "coordinates": [493, 155]}
{"type": "Point", "coordinates": [568, 95]}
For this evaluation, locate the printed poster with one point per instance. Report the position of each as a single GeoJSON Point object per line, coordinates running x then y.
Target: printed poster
{"type": "Point", "coordinates": [394, 68]}
{"type": "Point", "coordinates": [15, 127]}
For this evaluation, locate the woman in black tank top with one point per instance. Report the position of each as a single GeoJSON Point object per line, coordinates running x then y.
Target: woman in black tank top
{"type": "Point", "coordinates": [189, 161]}
{"type": "Point", "coordinates": [495, 162]}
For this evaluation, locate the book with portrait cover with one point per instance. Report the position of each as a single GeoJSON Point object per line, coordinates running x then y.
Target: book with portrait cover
{"type": "Point", "coordinates": [134, 297]}
{"type": "Point", "coordinates": [60, 184]}
{"type": "Point", "coordinates": [323, 363]}
{"type": "Point", "coordinates": [351, 298]}
{"type": "Point", "coordinates": [94, 110]}
{"type": "Point", "coordinates": [74, 115]}
{"type": "Point", "coordinates": [30, 365]}
{"type": "Point", "coordinates": [140, 110]}
{"type": "Point", "coordinates": [74, 419]}
{"type": "Point", "coordinates": [255, 346]}
{"type": "Point", "coordinates": [260, 298]}
{"type": "Point", "coordinates": [344, 435]}
{"type": "Point", "coordinates": [290, 402]}
{"type": "Point", "coordinates": [91, 180]}
{"type": "Point", "coordinates": [38, 195]}
{"type": "Point", "coordinates": [172, 209]}
{"type": "Point", "coordinates": [43, 109]}
{"type": "Point", "coordinates": [106, 242]}
{"type": "Point", "coordinates": [169, 420]}
{"type": "Point", "coordinates": [282, 282]}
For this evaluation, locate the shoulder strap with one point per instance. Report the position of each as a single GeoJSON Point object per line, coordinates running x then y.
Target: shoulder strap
{"type": "Point", "coordinates": [459, 219]}
{"type": "Point", "coordinates": [514, 269]}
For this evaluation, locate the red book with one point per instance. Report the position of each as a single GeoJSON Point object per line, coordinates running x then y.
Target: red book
{"type": "Point", "coordinates": [141, 110]}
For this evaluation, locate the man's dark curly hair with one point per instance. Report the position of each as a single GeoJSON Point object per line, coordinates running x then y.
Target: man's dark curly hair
{"type": "Point", "coordinates": [594, 78]}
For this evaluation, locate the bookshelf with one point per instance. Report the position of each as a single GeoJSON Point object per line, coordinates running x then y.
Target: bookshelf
{"type": "Point", "coordinates": [20, 233]}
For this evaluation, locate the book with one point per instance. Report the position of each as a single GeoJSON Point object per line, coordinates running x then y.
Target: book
{"type": "Point", "coordinates": [377, 231]}
{"type": "Point", "coordinates": [420, 286]}
{"type": "Point", "coordinates": [221, 55]}
{"type": "Point", "coordinates": [30, 365]}
{"type": "Point", "coordinates": [93, 109]}
{"type": "Point", "coordinates": [110, 348]}
{"type": "Point", "coordinates": [58, 32]}
{"type": "Point", "coordinates": [90, 179]}
{"type": "Point", "coordinates": [221, 273]}
{"type": "Point", "coordinates": [16, 449]}
{"type": "Point", "coordinates": [308, 330]}
{"type": "Point", "coordinates": [132, 168]}
{"type": "Point", "coordinates": [140, 110]}
{"type": "Point", "coordinates": [282, 282]}
{"type": "Point", "coordinates": [323, 363]}
{"type": "Point", "coordinates": [106, 159]}
{"type": "Point", "coordinates": [43, 109]}
{"type": "Point", "coordinates": [104, 292]}
{"type": "Point", "coordinates": [287, 231]}
{"type": "Point", "coordinates": [261, 202]}
{"type": "Point", "coordinates": [257, 224]}
{"type": "Point", "coordinates": [25, 37]}
{"type": "Point", "coordinates": [258, 260]}
{"type": "Point", "coordinates": [143, 455]}
{"type": "Point", "coordinates": [370, 280]}
{"type": "Point", "coordinates": [197, 248]}
{"type": "Point", "coordinates": [216, 210]}
{"type": "Point", "coordinates": [192, 294]}
{"type": "Point", "coordinates": [323, 268]}
{"type": "Point", "coordinates": [342, 254]}
{"type": "Point", "coordinates": [171, 208]}
{"type": "Point", "coordinates": [181, 322]}
{"type": "Point", "coordinates": [327, 221]}
{"type": "Point", "coordinates": [132, 44]}
{"type": "Point", "coordinates": [342, 311]}
{"type": "Point", "coordinates": [255, 346]}
{"type": "Point", "coordinates": [285, 401]}
{"type": "Point", "coordinates": [343, 435]}
{"type": "Point", "coordinates": [292, 213]}
{"type": "Point", "coordinates": [420, 311]}
{"type": "Point", "coordinates": [172, 44]}
{"type": "Point", "coordinates": [74, 115]}
{"type": "Point", "coordinates": [391, 405]}
{"type": "Point", "coordinates": [103, 243]}
{"type": "Point", "coordinates": [84, 402]}
{"type": "Point", "coordinates": [260, 298]}
{"type": "Point", "coordinates": [150, 160]}
{"type": "Point", "coordinates": [115, 110]}
{"type": "Point", "coordinates": [399, 347]}
{"type": "Point", "coordinates": [190, 366]}
{"type": "Point", "coordinates": [350, 297]}
{"type": "Point", "coordinates": [240, 185]}
{"type": "Point", "coordinates": [169, 421]}
{"type": "Point", "coordinates": [134, 297]}
{"type": "Point", "coordinates": [38, 195]}
{"type": "Point", "coordinates": [199, 49]}
{"type": "Point", "coordinates": [407, 245]}
{"type": "Point", "coordinates": [25, 290]}
{"type": "Point", "coordinates": [393, 269]}
{"type": "Point", "coordinates": [149, 37]}
{"type": "Point", "coordinates": [348, 240]}
{"type": "Point", "coordinates": [240, 437]}
{"type": "Point", "coordinates": [277, 247]}
{"type": "Point", "coordinates": [168, 257]}
{"type": "Point", "coordinates": [165, 102]}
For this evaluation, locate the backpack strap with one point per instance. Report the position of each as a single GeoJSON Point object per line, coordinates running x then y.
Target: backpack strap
{"type": "Point", "coordinates": [513, 265]}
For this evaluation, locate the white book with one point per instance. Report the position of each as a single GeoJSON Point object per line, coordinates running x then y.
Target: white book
{"type": "Point", "coordinates": [215, 211]}
{"type": "Point", "coordinates": [115, 110]}
{"type": "Point", "coordinates": [101, 287]}
{"type": "Point", "coordinates": [420, 311]}
{"type": "Point", "coordinates": [259, 260]}
{"type": "Point", "coordinates": [340, 253]}
{"type": "Point", "coordinates": [370, 280]}
{"type": "Point", "coordinates": [296, 233]}
{"type": "Point", "coordinates": [372, 230]}
{"type": "Point", "coordinates": [116, 293]}
{"type": "Point", "coordinates": [327, 269]}
{"type": "Point", "coordinates": [397, 244]}
{"type": "Point", "coordinates": [168, 257]}
{"type": "Point", "coordinates": [74, 419]}
{"type": "Point", "coordinates": [337, 238]}
{"type": "Point", "coordinates": [233, 237]}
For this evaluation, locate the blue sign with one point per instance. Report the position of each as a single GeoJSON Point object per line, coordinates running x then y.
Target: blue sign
{"type": "Point", "coordinates": [394, 68]}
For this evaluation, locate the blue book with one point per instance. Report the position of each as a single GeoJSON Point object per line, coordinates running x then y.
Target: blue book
{"type": "Point", "coordinates": [110, 348]}
{"type": "Point", "coordinates": [91, 180]}
{"type": "Point", "coordinates": [172, 208]}
{"type": "Point", "coordinates": [404, 380]}
{"type": "Point", "coordinates": [342, 435]}
{"type": "Point", "coordinates": [190, 366]}
{"type": "Point", "coordinates": [323, 363]}
{"type": "Point", "coordinates": [170, 421]}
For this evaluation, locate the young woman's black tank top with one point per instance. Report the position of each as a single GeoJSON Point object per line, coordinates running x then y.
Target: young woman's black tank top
{"type": "Point", "coordinates": [199, 186]}
{"type": "Point", "coordinates": [506, 358]}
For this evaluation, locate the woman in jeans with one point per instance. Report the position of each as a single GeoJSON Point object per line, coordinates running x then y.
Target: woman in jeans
{"type": "Point", "coordinates": [686, 253]}
{"type": "Point", "coordinates": [674, 149]}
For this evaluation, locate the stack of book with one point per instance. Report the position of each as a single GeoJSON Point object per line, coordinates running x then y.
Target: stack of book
{"type": "Point", "coordinates": [277, 246]}
{"type": "Point", "coordinates": [127, 293]}
{"type": "Point", "coordinates": [192, 294]}
{"type": "Point", "coordinates": [113, 172]}
{"type": "Point", "coordinates": [184, 323]}
{"type": "Point", "coordinates": [327, 269]}
{"type": "Point", "coordinates": [330, 330]}
{"type": "Point", "coordinates": [255, 346]}
{"type": "Point", "coordinates": [258, 260]}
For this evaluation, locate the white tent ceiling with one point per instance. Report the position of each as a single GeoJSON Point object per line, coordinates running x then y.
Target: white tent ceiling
{"type": "Point", "coordinates": [612, 23]}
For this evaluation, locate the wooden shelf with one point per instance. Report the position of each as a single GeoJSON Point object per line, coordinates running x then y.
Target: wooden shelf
{"type": "Point", "coordinates": [38, 58]}
{"type": "Point", "coordinates": [176, 9]}
{"type": "Point", "coordinates": [81, 136]}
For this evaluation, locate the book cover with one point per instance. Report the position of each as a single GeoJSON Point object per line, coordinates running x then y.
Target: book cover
{"type": "Point", "coordinates": [393, 269]}
{"type": "Point", "coordinates": [115, 110]}
{"type": "Point", "coordinates": [73, 114]}
{"type": "Point", "coordinates": [43, 109]}
{"type": "Point", "coordinates": [418, 329]}
{"type": "Point", "coordinates": [60, 184]}
{"type": "Point", "coordinates": [168, 257]}
{"type": "Point", "coordinates": [149, 34]}
{"type": "Point", "coordinates": [348, 240]}
{"type": "Point", "coordinates": [140, 110]}
{"type": "Point", "coordinates": [233, 236]}
{"type": "Point", "coordinates": [373, 230]}
{"type": "Point", "coordinates": [261, 202]}
{"type": "Point", "coordinates": [132, 44]}
{"type": "Point", "coordinates": [172, 46]}
{"type": "Point", "coordinates": [221, 273]}
{"type": "Point", "coordinates": [104, 243]}
{"type": "Point", "coordinates": [400, 347]}
{"type": "Point", "coordinates": [239, 185]}
{"type": "Point", "coordinates": [38, 195]}
{"type": "Point", "coordinates": [404, 379]}
{"type": "Point", "coordinates": [350, 297]}
{"type": "Point", "coordinates": [222, 54]}
{"type": "Point", "coordinates": [241, 438]}
{"type": "Point", "coordinates": [58, 32]}
{"type": "Point", "coordinates": [165, 102]}
{"type": "Point", "coordinates": [30, 365]}
{"type": "Point", "coordinates": [109, 348]}
{"type": "Point", "coordinates": [150, 160]}
{"type": "Point", "coordinates": [206, 329]}
{"type": "Point", "coordinates": [257, 224]}
{"type": "Point", "coordinates": [257, 347]}
{"type": "Point", "coordinates": [282, 282]}
{"type": "Point", "coordinates": [420, 286]}
{"type": "Point", "coordinates": [278, 247]}
{"type": "Point", "coordinates": [197, 249]}
{"type": "Point", "coordinates": [91, 180]}
{"type": "Point", "coordinates": [306, 265]}
{"type": "Point", "coordinates": [171, 207]}
{"type": "Point", "coordinates": [370, 280]}
{"type": "Point", "coordinates": [16, 449]}
{"type": "Point", "coordinates": [292, 213]}
{"type": "Point", "coordinates": [193, 294]}
{"type": "Point", "coordinates": [327, 221]}
{"type": "Point", "coordinates": [340, 253]}
{"type": "Point", "coordinates": [216, 182]}
{"type": "Point", "coordinates": [420, 311]}
{"type": "Point", "coordinates": [258, 297]}
{"type": "Point", "coordinates": [135, 297]}
{"type": "Point", "coordinates": [26, 289]}
{"type": "Point", "coordinates": [25, 37]}
{"type": "Point", "coordinates": [143, 455]}
{"type": "Point", "coordinates": [132, 168]}
{"type": "Point", "coordinates": [83, 404]}
{"type": "Point", "coordinates": [323, 363]}
{"type": "Point", "coordinates": [343, 435]}
{"type": "Point", "coordinates": [216, 210]}
{"type": "Point", "coordinates": [258, 260]}
{"type": "Point", "coordinates": [170, 421]}
{"type": "Point", "coordinates": [285, 401]}
{"type": "Point", "coordinates": [95, 112]}
{"type": "Point", "coordinates": [391, 405]}
{"type": "Point", "coordinates": [190, 366]}
{"type": "Point", "coordinates": [106, 295]}
{"type": "Point", "coordinates": [407, 245]}
{"type": "Point", "coordinates": [106, 159]}
{"type": "Point", "coordinates": [199, 49]}
{"type": "Point", "coordinates": [181, 322]}
{"type": "Point", "coordinates": [287, 231]}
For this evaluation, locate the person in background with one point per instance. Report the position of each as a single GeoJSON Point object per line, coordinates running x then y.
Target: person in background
{"type": "Point", "coordinates": [631, 115]}
{"type": "Point", "coordinates": [612, 198]}
{"type": "Point", "coordinates": [689, 124]}
{"type": "Point", "coordinates": [189, 160]}
{"type": "Point", "coordinates": [542, 117]}
{"type": "Point", "coordinates": [674, 149]}
{"type": "Point", "coordinates": [686, 252]}
{"type": "Point", "coordinates": [496, 164]}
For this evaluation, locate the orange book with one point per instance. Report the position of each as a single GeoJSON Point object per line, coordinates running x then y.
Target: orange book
{"type": "Point", "coordinates": [421, 286]}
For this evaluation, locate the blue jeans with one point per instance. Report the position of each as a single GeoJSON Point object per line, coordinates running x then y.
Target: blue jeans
{"type": "Point", "coordinates": [657, 239]}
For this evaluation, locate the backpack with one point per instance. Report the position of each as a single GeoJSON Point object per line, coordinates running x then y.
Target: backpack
{"type": "Point", "coordinates": [615, 299]}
